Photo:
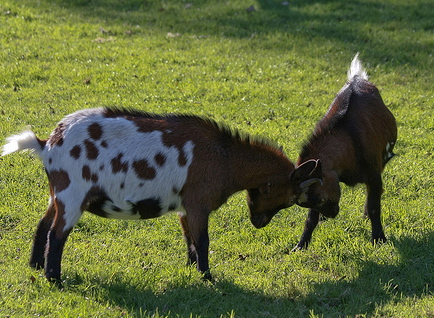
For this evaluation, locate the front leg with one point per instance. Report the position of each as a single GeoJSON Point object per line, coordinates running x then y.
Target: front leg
{"type": "Point", "coordinates": [195, 230]}
{"type": "Point", "coordinates": [373, 209]}
{"type": "Point", "coordinates": [310, 225]}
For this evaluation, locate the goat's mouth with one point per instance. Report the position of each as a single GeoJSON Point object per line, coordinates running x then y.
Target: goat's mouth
{"type": "Point", "coordinates": [262, 219]}
{"type": "Point", "coordinates": [329, 211]}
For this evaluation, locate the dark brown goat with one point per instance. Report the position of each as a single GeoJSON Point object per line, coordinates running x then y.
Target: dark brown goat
{"type": "Point", "coordinates": [134, 165]}
{"type": "Point", "coordinates": [353, 142]}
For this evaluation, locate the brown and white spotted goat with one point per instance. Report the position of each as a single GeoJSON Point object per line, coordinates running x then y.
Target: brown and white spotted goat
{"type": "Point", "coordinates": [353, 142]}
{"type": "Point", "coordinates": [132, 165]}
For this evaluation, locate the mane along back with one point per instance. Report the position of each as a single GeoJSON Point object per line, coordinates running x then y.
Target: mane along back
{"type": "Point", "coordinates": [221, 131]}
{"type": "Point", "coordinates": [337, 115]}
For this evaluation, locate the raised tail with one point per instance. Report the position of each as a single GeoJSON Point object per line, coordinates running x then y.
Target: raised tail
{"type": "Point", "coordinates": [356, 69]}
{"type": "Point", "coordinates": [27, 140]}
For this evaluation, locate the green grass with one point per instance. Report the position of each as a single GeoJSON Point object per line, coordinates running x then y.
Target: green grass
{"type": "Point", "coordinates": [271, 72]}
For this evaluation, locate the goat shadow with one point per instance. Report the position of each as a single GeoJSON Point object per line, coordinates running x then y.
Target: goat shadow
{"type": "Point", "coordinates": [411, 277]}
{"type": "Point", "coordinates": [376, 284]}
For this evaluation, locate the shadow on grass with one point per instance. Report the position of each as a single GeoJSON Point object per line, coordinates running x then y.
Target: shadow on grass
{"type": "Point", "coordinates": [376, 285]}
{"type": "Point", "coordinates": [370, 26]}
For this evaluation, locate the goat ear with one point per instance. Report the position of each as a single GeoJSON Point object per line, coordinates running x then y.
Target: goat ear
{"type": "Point", "coordinates": [264, 188]}
{"type": "Point", "coordinates": [307, 173]}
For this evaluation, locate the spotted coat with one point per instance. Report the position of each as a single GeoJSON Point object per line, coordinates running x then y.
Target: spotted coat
{"type": "Point", "coordinates": [102, 164]}
{"type": "Point", "coordinates": [126, 164]}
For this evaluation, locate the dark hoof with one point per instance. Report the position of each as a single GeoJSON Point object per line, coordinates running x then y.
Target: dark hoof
{"type": "Point", "coordinates": [36, 265]}
{"type": "Point", "coordinates": [296, 249]}
{"type": "Point", "coordinates": [56, 282]}
{"type": "Point", "coordinates": [289, 251]}
{"type": "Point", "coordinates": [207, 277]}
{"type": "Point", "coordinates": [379, 240]}
{"type": "Point", "coordinates": [300, 246]}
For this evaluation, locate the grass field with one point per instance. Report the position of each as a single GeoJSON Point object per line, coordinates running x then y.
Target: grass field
{"type": "Point", "coordinates": [271, 71]}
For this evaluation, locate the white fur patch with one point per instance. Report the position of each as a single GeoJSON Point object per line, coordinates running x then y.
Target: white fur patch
{"type": "Point", "coordinates": [116, 139]}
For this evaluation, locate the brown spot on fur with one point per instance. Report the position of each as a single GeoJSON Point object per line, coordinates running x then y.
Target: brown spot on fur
{"type": "Point", "coordinates": [104, 144]}
{"type": "Point", "coordinates": [160, 159]}
{"type": "Point", "coordinates": [118, 165]}
{"type": "Point", "coordinates": [122, 185]}
{"type": "Point", "coordinates": [59, 223]}
{"type": "Point", "coordinates": [93, 200]}
{"type": "Point", "coordinates": [145, 122]}
{"type": "Point", "coordinates": [56, 138]}
{"type": "Point", "coordinates": [94, 178]}
{"type": "Point", "coordinates": [143, 170]}
{"type": "Point", "coordinates": [146, 125]}
{"type": "Point", "coordinates": [42, 143]}
{"type": "Point", "coordinates": [88, 175]}
{"type": "Point", "coordinates": [85, 173]}
{"type": "Point", "coordinates": [50, 161]}
{"type": "Point", "coordinates": [95, 131]}
{"type": "Point", "coordinates": [170, 140]}
{"type": "Point", "coordinates": [59, 180]}
{"type": "Point", "coordinates": [75, 152]}
{"type": "Point", "coordinates": [91, 150]}
{"type": "Point", "coordinates": [182, 160]}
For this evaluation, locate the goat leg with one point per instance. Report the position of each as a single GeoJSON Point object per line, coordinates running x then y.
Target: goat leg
{"type": "Point", "coordinates": [37, 258]}
{"type": "Point", "coordinates": [310, 224]}
{"type": "Point", "coordinates": [373, 209]}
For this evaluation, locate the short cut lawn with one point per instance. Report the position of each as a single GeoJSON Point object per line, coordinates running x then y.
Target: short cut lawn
{"type": "Point", "coordinates": [266, 67]}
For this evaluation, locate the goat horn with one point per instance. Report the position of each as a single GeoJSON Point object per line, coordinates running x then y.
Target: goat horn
{"type": "Point", "coordinates": [308, 183]}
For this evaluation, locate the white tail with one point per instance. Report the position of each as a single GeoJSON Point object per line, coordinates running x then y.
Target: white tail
{"type": "Point", "coordinates": [356, 69]}
{"type": "Point", "coordinates": [27, 140]}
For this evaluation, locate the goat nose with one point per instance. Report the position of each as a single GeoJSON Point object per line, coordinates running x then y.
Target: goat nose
{"type": "Point", "coordinates": [258, 221]}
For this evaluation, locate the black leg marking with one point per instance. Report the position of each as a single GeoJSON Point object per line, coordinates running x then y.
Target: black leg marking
{"type": "Point", "coordinates": [54, 253]}
{"type": "Point", "coordinates": [195, 229]}
{"type": "Point", "coordinates": [37, 258]}
{"type": "Point", "coordinates": [373, 209]}
{"type": "Point", "coordinates": [310, 225]}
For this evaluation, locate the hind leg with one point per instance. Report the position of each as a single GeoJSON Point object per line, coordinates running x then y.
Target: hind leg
{"type": "Point", "coordinates": [373, 208]}
{"type": "Point", "coordinates": [66, 217]}
{"type": "Point", "coordinates": [37, 259]}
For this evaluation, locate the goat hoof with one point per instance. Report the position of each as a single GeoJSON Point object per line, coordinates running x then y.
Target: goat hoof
{"type": "Point", "coordinates": [300, 246]}
{"type": "Point", "coordinates": [288, 251]}
{"type": "Point", "coordinates": [56, 282]}
{"type": "Point", "coordinates": [36, 265]}
{"type": "Point", "coordinates": [296, 249]}
{"type": "Point", "coordinates": [207, 277]}
{"type": "Point", "coordinates": [379, 240]}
